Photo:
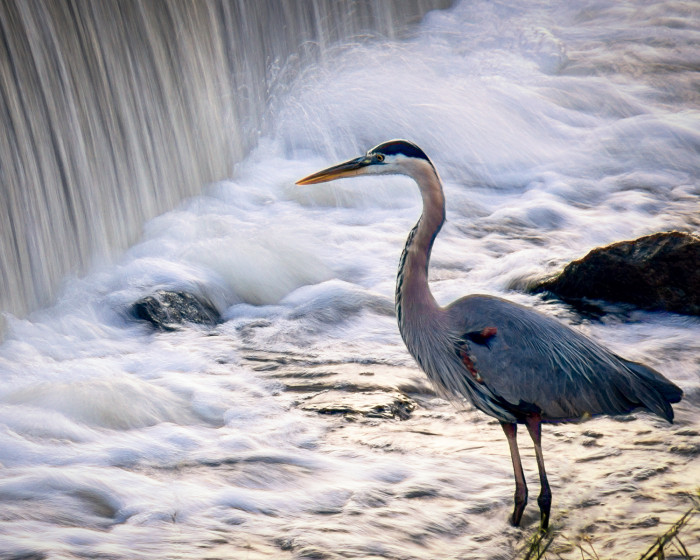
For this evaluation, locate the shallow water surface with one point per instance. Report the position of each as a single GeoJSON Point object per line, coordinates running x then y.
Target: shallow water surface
{"type": "Point", "coordinates": [299, 427]}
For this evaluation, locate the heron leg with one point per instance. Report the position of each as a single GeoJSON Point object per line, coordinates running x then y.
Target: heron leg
{"type": "Point", "coordinates": [534, 427]}
{"type": "Point", "coordinates": [520, 486]}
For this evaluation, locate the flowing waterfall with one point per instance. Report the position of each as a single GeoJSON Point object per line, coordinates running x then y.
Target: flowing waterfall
{"type": "Point", "coordinates": [113, 111]}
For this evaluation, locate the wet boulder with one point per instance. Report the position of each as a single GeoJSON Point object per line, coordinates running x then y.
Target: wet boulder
{"type": "Point", "coordinates": [167, 310]}
{"type": "Point", "coordinates": [655, 272]}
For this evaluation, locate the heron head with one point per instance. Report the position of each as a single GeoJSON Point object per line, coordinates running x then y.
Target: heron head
{"type": "Point", "coordinates": [389, 158]}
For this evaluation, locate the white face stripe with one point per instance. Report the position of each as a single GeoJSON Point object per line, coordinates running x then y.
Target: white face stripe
{"type": "Point", "coordinates": [398, 164]}
{"type": "Point", "coordinates": [394, 164]}
{"type": "Point", "coordinates": [390, 157]}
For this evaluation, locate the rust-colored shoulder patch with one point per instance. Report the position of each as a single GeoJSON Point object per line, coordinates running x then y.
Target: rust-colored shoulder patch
{"type": "Point", "coordinates": [483, 336]}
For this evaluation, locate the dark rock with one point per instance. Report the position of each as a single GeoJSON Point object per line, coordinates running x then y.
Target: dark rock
{"type": "Point", "coordinates": [656, 272]}
{"type": "Point", "coordinates": [371, 404]}
{"type": "Point", "coordinates": [592, 434]}
{"type": "Point", "coordinates": [689, 449]}
{"type": "Point", "coordinates": [422, 491]}
{"type": "Point", "coordinates": [645, 522]}
{"type": "Point", "coordinates": [168, 310]}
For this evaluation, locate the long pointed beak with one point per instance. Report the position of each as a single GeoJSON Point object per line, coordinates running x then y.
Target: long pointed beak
{"type": "Point", "coordinates": [346, 169]}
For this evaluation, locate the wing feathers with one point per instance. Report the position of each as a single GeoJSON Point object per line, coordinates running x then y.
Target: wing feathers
{"type": "Point", "coordinates": [527, 360]}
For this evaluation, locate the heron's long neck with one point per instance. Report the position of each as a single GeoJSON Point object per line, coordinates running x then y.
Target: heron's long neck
{"type": "Point", "coordinates": [415, 304]}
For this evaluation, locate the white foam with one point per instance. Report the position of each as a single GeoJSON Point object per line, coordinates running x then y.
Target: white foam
{"type": "Point", "coordinates": [549, 141]}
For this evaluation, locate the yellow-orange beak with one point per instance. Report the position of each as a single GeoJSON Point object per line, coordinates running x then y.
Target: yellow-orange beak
{"type": "Point", "coordinates": [345, 169]}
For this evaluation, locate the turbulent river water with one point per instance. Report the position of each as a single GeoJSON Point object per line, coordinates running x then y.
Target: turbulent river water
{"type": "Point", "coordinates": [557, 127]}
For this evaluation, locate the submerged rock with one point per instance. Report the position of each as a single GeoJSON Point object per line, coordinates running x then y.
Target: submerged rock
{"type": "Point", "coordinates": [168, 310]}
{"type": "Point", "coordinates": [655, 272]}
{"type": "Point", "coordinates": [371, 404]}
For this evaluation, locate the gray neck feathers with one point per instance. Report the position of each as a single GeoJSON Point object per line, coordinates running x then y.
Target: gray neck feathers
{"type": "Point", "coordinates": [419, 316]}
{"type": "Point", "coordinates": [426, 327]}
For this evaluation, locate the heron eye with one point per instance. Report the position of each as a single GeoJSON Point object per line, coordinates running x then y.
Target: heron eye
{"type": "Point", "coordinates": [380, 157]}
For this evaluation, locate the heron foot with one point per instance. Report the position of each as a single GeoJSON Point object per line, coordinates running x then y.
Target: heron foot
{"type": "Point", "coordinates": [520, 503]}
{"type": "Point", "coordinates": [545, 502]}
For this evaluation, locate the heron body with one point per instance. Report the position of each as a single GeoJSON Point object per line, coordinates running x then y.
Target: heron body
{"type": "Point", "coordinates": [515, 364]}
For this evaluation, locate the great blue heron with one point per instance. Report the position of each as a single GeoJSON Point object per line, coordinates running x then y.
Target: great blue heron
{"type": "Point", "coordinates": [512, 362]}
